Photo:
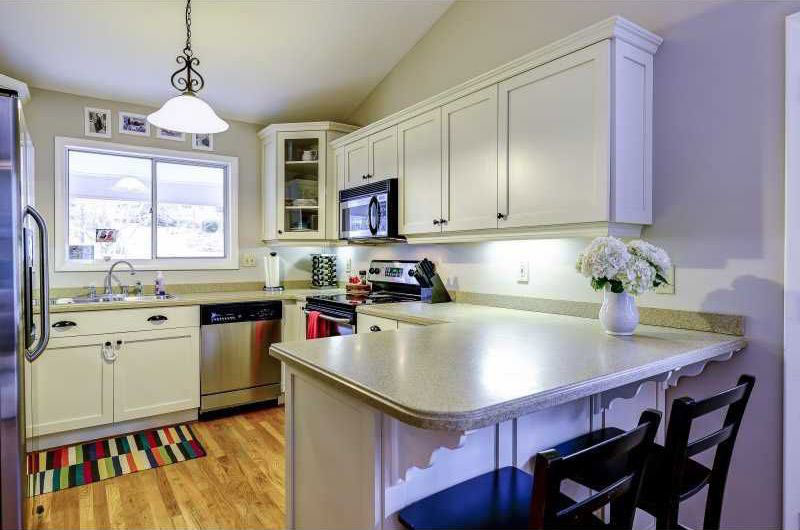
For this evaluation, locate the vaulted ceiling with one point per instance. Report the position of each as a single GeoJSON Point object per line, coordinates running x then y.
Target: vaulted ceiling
{"type": "Point", "coordinates": [263, 61]}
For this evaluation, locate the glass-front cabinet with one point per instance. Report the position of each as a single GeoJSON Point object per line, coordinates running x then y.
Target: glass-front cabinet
{"type": "Point", "coordinates": [301, 185]}
{"type": "Point", "coordinates": [300, 192]}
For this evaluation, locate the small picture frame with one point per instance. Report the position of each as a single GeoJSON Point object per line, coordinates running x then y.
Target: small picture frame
{"type": "Point", "coordinates": [105, 235]}
{"type": "Point", "coordinates": [203, 142]}
{"type": "Point", "coordinates": [97, 122]}
{"type": "Point", "coordinates": [134, 124]}
{"type": "Point", "coordinates": [166, 134]}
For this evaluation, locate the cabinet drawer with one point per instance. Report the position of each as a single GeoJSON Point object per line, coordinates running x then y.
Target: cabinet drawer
{"type": "Point", "coordinates": [76, 323]}
{"type": "Point", "coordinates": [366, 324]}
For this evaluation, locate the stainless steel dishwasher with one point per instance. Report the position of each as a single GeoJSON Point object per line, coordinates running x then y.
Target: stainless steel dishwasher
{"type": "Point", "coordinates": [235, 365]}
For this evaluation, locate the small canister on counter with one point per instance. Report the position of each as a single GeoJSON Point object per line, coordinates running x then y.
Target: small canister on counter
{"type": "Point", "coordinates": [323, 270]}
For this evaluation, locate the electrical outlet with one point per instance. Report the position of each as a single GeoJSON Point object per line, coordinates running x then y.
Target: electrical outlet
{"type": "Point", "coordinates": [248, 260]}
{"type": "Point", "coordinates": [523, 274]}
{"type": "Point", "coordinates": [667, 288]}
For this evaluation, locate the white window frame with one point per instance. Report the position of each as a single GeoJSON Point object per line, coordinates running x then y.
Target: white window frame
{"type": "Point", "coordinates": [61, 219]}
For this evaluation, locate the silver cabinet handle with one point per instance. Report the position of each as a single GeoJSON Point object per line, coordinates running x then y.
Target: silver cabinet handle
{"type": "Point", "coordinates": [330, 319]}
{"type": "Point", "coordinates": [110, 353]}
{"type": "Point", "coordinates": [44, 285]}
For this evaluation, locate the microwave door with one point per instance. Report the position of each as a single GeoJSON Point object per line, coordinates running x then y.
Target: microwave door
{"type": "Point", "coordinates": [355, 218]}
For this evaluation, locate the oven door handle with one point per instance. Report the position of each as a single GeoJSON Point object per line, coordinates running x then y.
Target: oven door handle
{"type": "Point", "coordinates": [330, 319]}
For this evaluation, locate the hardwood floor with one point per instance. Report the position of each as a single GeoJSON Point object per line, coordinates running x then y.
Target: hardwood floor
{"type": "Point", "coordinates": [239, 484]}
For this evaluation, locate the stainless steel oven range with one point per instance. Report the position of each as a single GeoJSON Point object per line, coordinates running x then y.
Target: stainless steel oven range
{"type": "Point", "coordinates": [391, 280]}
{"type": "Point", "coordinates": [235, 365]}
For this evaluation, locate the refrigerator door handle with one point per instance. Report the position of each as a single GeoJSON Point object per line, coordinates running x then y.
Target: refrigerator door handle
{"type": "Point", "coordinates": [44, 285]}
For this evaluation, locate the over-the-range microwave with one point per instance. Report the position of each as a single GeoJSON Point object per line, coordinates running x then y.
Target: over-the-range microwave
{"type": "Point", "coordinates": [368, 213]}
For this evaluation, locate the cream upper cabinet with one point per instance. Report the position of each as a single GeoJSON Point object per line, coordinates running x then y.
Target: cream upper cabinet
{"type": "Point", "coordinates": [420, 170]}
{"type": "Point", "coordinates": [469, 154]}
{"type": "Point", "coordinates": [156, 372]}
{"type": "Point", "coordinates": [300, 181]}
{"type": "Point", "coordinates": [554, 138]}
{"type": "Point", "coordinates": [301, 185]}
{"type": "Point", "coordinates": [557, 143]}
{"type": "Point", "coordinates": [371, 159]}
{"type": "Point", "coordinates": [356, 163]}
{"type": "Point", "coordinates": [383, 155]}
{"type": "Point", "coordinates": [70, 386]}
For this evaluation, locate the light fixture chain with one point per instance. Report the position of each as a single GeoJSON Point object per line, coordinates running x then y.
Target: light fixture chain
{"type": "Point", "coordinates": [188, 49]}
{"type": "Point", "coordinates": [187, 79]}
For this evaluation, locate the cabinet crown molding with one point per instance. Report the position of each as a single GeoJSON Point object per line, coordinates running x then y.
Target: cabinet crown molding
{"type": "Point", "coordinates": [306, 126]}
{"type": "Point", "coordinates": [615, 27]}
{"type": "Point", "coordinates": [16, 85]}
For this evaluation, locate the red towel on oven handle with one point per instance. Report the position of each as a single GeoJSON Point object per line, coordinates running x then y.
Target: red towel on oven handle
{"type": "Point", "coordinates": [316, 326]}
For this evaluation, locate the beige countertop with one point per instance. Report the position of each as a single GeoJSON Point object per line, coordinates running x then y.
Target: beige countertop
{"type": "Point", "coordinates": [491, 364]}
{"type": "Point", "coordinates": [198, 299]}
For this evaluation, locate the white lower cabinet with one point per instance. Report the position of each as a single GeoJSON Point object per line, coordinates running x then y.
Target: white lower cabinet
{"type": "Point", "coordinates": [70, 386]}
{"type": "Point", "coordinates": [370, 324]}
{"type": "Point", "coordinates": [146, 364]}
{"type": "Point", "coordinates": [156, 372]}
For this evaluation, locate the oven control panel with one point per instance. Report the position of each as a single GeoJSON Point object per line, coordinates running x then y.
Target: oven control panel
{"type": "Point", "coordinates": [401, 272]}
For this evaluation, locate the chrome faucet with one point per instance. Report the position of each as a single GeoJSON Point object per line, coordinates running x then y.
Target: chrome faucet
{"type": "Point", "coordinates": [109, 289]}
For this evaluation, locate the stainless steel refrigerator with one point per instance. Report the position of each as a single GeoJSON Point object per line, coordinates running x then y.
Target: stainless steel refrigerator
{"type": "Point", "coordinates": [24, 331]}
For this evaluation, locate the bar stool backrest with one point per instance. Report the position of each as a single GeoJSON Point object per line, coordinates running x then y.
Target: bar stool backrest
{"type": "Point", "coordinates": [622, 492]}
{"type": "Point", "coordinates": [678, 448]}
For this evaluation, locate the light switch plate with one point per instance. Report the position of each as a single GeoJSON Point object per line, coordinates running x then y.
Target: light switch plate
{"type": "Point", "coordinates": [248, 260]}
{"type": "Point", "coordinates": [523, 274]}
{"type": "Point", "coordinates": [667, 288]}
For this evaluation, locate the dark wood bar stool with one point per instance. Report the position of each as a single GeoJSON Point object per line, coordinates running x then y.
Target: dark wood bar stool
{"type": "Point", "coordinates": [511, 498]}
{"type": "Point", "coordinates": [672, 475]}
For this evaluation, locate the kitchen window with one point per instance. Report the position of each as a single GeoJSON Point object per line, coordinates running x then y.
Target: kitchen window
{"type": "Point", "coordinates": [158, 208]}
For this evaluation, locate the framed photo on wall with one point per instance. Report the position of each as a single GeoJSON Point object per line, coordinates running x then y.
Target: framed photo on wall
{"type": "Point", "coordinates": [203, 142]}
{"type": "Point", "coordinates": [135, 124]}
{"type": "Point", "coordinates": [97, 122]}
{"type": "Point", "coordinates": [166, 134]}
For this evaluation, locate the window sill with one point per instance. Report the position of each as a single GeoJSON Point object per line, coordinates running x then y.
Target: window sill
{"type": "Point", "coordinates": [186, 264]}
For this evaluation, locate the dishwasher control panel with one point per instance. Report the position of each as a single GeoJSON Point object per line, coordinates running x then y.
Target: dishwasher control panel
{"type": "Point", "coordinates": [240, 312]}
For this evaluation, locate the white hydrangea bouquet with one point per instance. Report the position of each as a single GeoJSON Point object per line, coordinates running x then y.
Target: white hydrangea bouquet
{"type": "Point", "coordinates": [622, 271]}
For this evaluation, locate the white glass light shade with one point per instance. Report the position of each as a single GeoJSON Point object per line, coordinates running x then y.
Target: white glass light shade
{"type": "Point", "coordinates": [188, 114]}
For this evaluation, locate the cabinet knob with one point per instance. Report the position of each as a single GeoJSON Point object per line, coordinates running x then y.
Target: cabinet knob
{"type": "Point", "coordinates": [501, 215]}
{"type": "Point", "coordinates": [157, 319]}
{"type": "Point", "coordinates": [280, 231]}
{"type": "Point", "coordinates": [436, 221]}
{"type": "Point", "coordinates": [374, 328]}
{"type": "Point", "coordinates": [443, 221]}
{"type": "Point", "coordinates": [64, 324]}
{"type": "Point", "coordinates": [363, 177]}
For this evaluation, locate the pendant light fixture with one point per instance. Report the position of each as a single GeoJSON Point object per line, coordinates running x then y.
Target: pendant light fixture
{"type": "Point", "coordinates": [188, 113]}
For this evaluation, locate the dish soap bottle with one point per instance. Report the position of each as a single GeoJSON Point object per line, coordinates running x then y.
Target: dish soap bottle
{"type": "Point", "coordinates": [161, 285]}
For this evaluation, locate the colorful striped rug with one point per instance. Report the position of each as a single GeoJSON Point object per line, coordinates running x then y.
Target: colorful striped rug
{"type": "Point", "coordinates": [74, 465]}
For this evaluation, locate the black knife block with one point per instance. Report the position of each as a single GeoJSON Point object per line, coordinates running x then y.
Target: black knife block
{"type": "Point", "coordinates": [436, 294]}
